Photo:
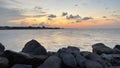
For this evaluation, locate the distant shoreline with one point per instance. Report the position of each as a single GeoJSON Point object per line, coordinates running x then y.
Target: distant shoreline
{"type": "Point", "coordinates": [26, 28]}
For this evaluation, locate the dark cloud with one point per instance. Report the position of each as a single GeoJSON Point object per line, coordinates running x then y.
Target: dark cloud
{"type": "Point", "coordinates": [76, 4]}
{"type": "Point", "coordinates": [36, 16]}
{"type": "Point", "coordinates": [52, 16]}
{"type": "Point", "coordinates": [73, 17]}
{"type": "Point", "coordinates": [49, 19]}
{"type": "Point", "coordinates": [117, 16]}
{"type": "Point", "coordinates": [87, 18]}
{"type": "Point", "coordinates": [8, 14]}
{"type": "Point", "coordinates": [104, 17]}
{"type": "Point", "coordinates": [37, 8]}
{"type": "Point", "coordinates": [64, 13]}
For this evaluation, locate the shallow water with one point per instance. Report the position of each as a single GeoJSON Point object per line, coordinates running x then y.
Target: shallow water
{"type": "Point", "coordinates": [54, 39]}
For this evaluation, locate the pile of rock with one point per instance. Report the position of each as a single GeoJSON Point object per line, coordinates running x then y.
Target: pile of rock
{"type": "Point", "coordinates": [34, 55]}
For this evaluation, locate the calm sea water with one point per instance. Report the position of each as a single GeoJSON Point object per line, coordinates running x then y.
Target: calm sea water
{"type": "Point", "coordinates": [54, 39]}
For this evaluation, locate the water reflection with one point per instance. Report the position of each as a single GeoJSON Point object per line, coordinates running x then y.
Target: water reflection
{"type": "Point", "coordinates": [55, 39]}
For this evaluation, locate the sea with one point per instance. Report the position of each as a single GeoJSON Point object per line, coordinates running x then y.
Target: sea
{"type": "Point", "coordinates": [54, 39]}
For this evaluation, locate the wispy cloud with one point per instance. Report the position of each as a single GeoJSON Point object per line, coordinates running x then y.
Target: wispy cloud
{"type": "Point", "coordinates": [52, 16]}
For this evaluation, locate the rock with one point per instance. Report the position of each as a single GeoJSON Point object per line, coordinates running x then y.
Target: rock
{"type": "Point", "coordinates": [21, 66]}
{"type": "Point", "coordinates": [2, 48]}
{"type": "Point", "coordinates": [34, 48]}
{"type": "Point", "coordinates": [80, 59]}
{"type": "Point", "coordinates": [19, 58]}
{"type": "Point", "coordinates": [97, 58]}
{"type": "Point", "coordinates": [51, 53]}
{"type": "Point", "coordinates": [100, 48]}
{"type": "Point", "coordinates": [51, 62]}
{"type": "Point", "coordinates": [69, 49]}
{"type": "Point", "coordinates": [68, 59]}
{"type": "Point", "coordinates": [73, 49]}
{"type": "Point", "coordinates": [92, 64]}
{"type": "Point", "coordinates": [4, 62]}
{"type": "Point", "coordinates": [114, 67]}
{"type": "Point", "coordinates": [85, 53]}
{"type": "Point", "coordinates": [117, 49]}
{"type": "Point", "coordinates": [114, 59]}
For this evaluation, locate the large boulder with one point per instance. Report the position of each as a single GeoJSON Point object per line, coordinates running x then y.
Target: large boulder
{"type": "Point", "coordinates": [80, 59]}
{"type": "Point", "coordinates": [20, 58]}
{"type": "Point", "coordinates": [98, 58]}
{"type": "Point", "coordinates": [21, 66]}
{"type": "Point", "coordinates": [117, 49]}
{"type": "Point", "coordinates": [93, 64]}
{"type": "Point", "coordinates": [51, 62]}
{"type": "Point", "coordinates": [4, 62]}
{"type": "Point", "coordinates": [100, 48]}
{"type": "Point", "coordinates": [68, 59]}
{"type": "Point", "coordinates": [34, 48]}
{"type": "Point", "coordinates": [114, 59]}
{"type": "Point", "coordinates": [2, 48]}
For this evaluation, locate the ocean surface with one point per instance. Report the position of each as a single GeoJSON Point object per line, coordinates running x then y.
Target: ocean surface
{"type": "Point", "coordinates": [53, 39]}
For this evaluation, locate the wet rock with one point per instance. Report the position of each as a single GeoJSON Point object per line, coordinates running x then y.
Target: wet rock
{"type": "Point", "coordinates": [93, 64]}
{"type": "Point", "coordinates": [21, 66]}
{"type": "Point", "coordinates": [51, 62]}
{"type": "Point", "coordinates": [35, 48]}
{"type": "Point", "coordinates": [100, 48]}
{"type": "Point", "coordinates": [4, 62]}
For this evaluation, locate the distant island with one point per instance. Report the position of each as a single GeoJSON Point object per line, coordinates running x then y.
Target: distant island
{"type": "Point", "coordinates": [26, 27]}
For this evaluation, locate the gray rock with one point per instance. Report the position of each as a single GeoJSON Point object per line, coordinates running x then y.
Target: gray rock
{"type": "Point", "coordinates": [85, 53]}
{"type": "Point", "coordinates": [117, 49]}
{"type": "Point", "coordinates": [35, 48]}
{"type": "Point", "coordinates": [93, 64]}
{"type": "Point", "coordinates": [80, 60]}
{"type": "Point", "coordinates": [2, 48]}
{"type": "Point", "coordinates": [114, 67]}
{"type": "Point", "coordinates": [4, 62]}
{"type": "Point", "coordinates": [100, 48]}
{"type": "Point", "coordinates": [114, 59]}
{"type": "Point", "coordinates": [51, 62]}
{"type": "Point", "coordinates": [73, 49]}
{"type": "Point", "coordinates": [20, 58]}
{"type": "Point", "coordinates": [68, 59]}
{"type": "Point", "coordinates": [97, 58]}
{"type": "Point", "coordinates": [21, 66]}
{"type": "Point", "coordinates": [69, 49]}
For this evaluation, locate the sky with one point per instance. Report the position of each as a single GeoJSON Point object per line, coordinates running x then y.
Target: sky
{"type": "Point", "coordinates": [61, 13]}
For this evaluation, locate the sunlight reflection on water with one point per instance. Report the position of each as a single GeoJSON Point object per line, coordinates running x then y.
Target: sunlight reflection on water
{"type": "Point", "coordinates": [52, 40]}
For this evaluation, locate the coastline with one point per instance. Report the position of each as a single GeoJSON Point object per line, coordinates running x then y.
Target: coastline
{"type": "Point", "coordinates": [34, 55]}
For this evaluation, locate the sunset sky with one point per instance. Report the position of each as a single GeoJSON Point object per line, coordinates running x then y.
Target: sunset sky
{"type": "Point", "coordinates": [61, 13]}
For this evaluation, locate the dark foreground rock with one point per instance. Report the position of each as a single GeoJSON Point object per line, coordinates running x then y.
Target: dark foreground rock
{"type": "Point", "coordinates": [51, 62]}
{"type": "Point", "coordinates": [100, 48]}
{"type": "Point", "coordinates": [19, 58]}
{"type": "Point", "coordinates": [4, 62]}
{"type": "Point", "coordinates": [21, 66]}
{"type": "Point", "coordinates": [34, 48]}
{"type": "Point", "coordinates": [2, 48]}
{"type": "Point", "coordinates": [34, 55]}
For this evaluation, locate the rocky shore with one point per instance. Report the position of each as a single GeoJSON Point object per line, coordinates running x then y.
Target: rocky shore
{"type": "Point", "coordinates": [34, 55]}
